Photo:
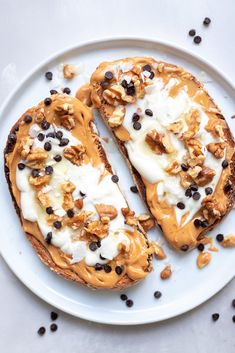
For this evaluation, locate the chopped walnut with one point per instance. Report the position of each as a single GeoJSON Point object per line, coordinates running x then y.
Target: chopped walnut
{"type": "Point", "coordinates": [159, 143]}
{"type": "Point", "coordinates": [78, 220]}
{"type": "Point", "coordinates": [193, 119]}
{"type": "Point", "coordinates": [25, 146]}
{"type": "Point", "coordinates": [203, 259]}
{"type": "Point", "coordinates": [97, 228]}
{"type": "Point", "coordinates": [43, 198]}
{"type": "Point", "coordinates": [65, 111]}
{"type": "Point", "coordinates": [106, 210]}
{"type": "Point", "coordinates": [166, 272]}
{"type": "Point", "coordinates": [69, 71]}
{"type": "Point", "coordinates": [129, 215]}
{"type": "Point", "coordinates": [146, 221]}
{"type": "Point", "coordinates": [158, 251]}
{"type": "Point", "coordinates": [205, 176]}
{"type": "Point", "coordinates": [68, 187]}
{"type": "Point", "coordinates": [213, 209]}
{"type": "Point", "coordinates": [39, 116]}
{"type": "Point", "coordinates": [217, 149]}
{"type": "Point", "coordinates": [173, 168]}
{"type": "Point", "coordinates": [176, 127]}
{"type": "Point", "coordinates": [229, 241]}
{"type": "Point", "coordinates": [196, 157]}
{"type": "Point", "coordinates": [75, 154]}
{"type": "Point", "coordinates": [117, 117]}
{"type": "Point", "coordinates": [79, 203]}
{"type": "Point", "coordinates": [185, 180]}
{"type": "Point", "coordinates": [116, 94]}
{"type": "Point", "coordinates": [160, 67]}
{"type": "Point", "coordinates": [194, 171]}
{"type": "Point", "coordinates": [36, 158]}
{"type": "Point", "coordinates": [68, 202]}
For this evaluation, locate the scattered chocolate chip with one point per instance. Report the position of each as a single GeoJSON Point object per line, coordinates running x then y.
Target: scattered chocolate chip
{"type": "Point", "coordinates": [196, 196]}
{"type": "Point", "coordinates": [101, 257]}
{"type": "Point", "coordinates": [148, 112]}
{"type": "Point", "coordinates": [48, 238]}
{"type": "Point", "coordinates": [98, 267]}
{"type": "Point", "coordinates": [184, 167]}
{"type": "Point", "coordinates": [49, 210]}
{"type": "Point", "coordinates": [35, 173]}
{"type": "Point", "coordinates": [40, 137]}
{"type": "Point", "coordinates": [47, 146]}
{"type": "Point", "coordinates": [57, 224]}
{"type": "Point", "coordinates": [134, 189]}
{"type": "Point", "coordinates": [233, 318]}
{"type": "Point", "coordinates": [41, 331]}
{"type": "Point", "coordinates": [47, 101]}
{"type": "Point", "coordinates": [197, 40]}
{"type": "Point", "coordinates": [219, 237]}
{"type": "Point", "coordinates": [147, 67]}
{"type": "Point", "coordinates": [70, 213]}
{"type": "Point", "coordinates": [51, 134]}
{"type": "Point", "coordinates": [194, 187]}
{"type": "Point", "coordinates": [54, 316]}
{"type": "Point", "coordinates": [63, 142]}
{"type": "Point", "coordinates": [208, 191]}
{"type": "Point", "coordinates": [93, 246]}
{"type": "Point", "coordinates": [130, 90]}
{"type": "Point", "coordinates": [82, 194]}
{"type": "Point", "coordinates": [104, 84]}
{"type": "Point", "coordinates": [49, 170]}
{"type": "Point", "coordinates": [157, 294]}
{"type": "Point", "coordinates": [151, 76]}
{"type": "Point", "coordinates": [207, 21]}
{"type": "Point", "coordinates": [224, 164]}
{"type": "Point", "coordinates": [115, 178]}
{"type": "Point", "coordinates": [57, 158]}
{"type": "Point", "coordinates": [107, 268]}
{"type": "Point", "coordinates": [233, 303]}
{"type": "Point", "coordinates": [137, 125]}
{"type": "Point", "coordinates": [21, 166]}
{"type": "Point", "coordinates": [184, 247]}
{"type": "Point", "coordinates": [123, 297]}
{"type": "Point", "coordinates": [204, 224]}
{"type": "Point", "coordinates": [197, 222]}
{"type": "Point", "coordinates": [45, 125]}
{"type": "Point", "coordinates": [135, 117]}
{"type": "Point", "coordinates": [59, 134]}
{"type": "Point", "coordinates": [53, 91]}
{"type": "Point", "coordinates": [67, 90]}
{"type": "Point", "coordinates": [12, 138]}
{"type": "Point", "coordinates": [53, 327]}
{"type": "Point", "coordinates": [233, 117]}
{"type": "Point", "coordinates": [129, 303]}
{"type": "Point", "coordinates": [180, 205]}
{"type": "Point", "coordinates": [200, 247]}
{"type": "Point", "coordinates": [28, 119]}
{"type": "Point", "coordinates": [192, 32]}
{"type": "Point", "coordinates": [227, 188]}
{"type": "Point", "coordinates": [215, 317]}
{"type": "Point", "coordinates": [108, 75]}
{"type": "Point", "coordinates": [99, 244]}
{"type": "Point", "coordinates": [188, 192]}
{"type": "Point", "coordinates": [118, 270]}
{"type": "Point", "coordinates": [49, 75]}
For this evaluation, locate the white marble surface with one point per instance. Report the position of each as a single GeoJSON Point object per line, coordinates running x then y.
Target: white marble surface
{"type": "Point", "coordinates": [29, 32]}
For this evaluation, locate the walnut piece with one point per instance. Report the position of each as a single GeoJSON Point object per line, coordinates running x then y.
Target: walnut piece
{"type": "Point", "coordinates": [203, 259]}
{"type": "Point", "coordinates": [166, 272]}
{"type": "Point", "coordinates": [213, 209]}
{"type": "Point", "coordinates": [146, 221]}
{"type": "Point", "coordinates": [68, 202]}
{"type": "Point", "coordinates": [205, 176]}
{"type": "Point", "coordinates": [129, 215]}
{"type": "Point", "coordinates": [117, 117]}
{"type": "Point", "coordinates": [25, 146]}
{"type": "Point", "coordinates": [173, 168]}
{"type": "Point", "coordinates": [79, 203]}
{"type": "Point", "coordinates": [43, 198]}
{"type": "Point", "coordinates": [116, 94]}
{"type": "Point", "coordinates": [229, 241]}
{"type": "Point", "coordinates": [185, 180]}
{"type": "Point", "coordinates": [65, 111]}
{"type": "Point", "coordinates": [36, 158]}
{"type": "Point", "coordinates": [40, 180]}
{"type": "Point", "coordinates": [69, 71]}
{"type": "Point", "coordinates": [217, 149]}
{"type": "Point", "coordinates": [158, 251]}
{"type": "Point", "coordinates": [97, 228]}
{"type": "Point", "coordinates": [176, 127]}
{"type": "Point", "coordinates": [106, 211]}
{"type": "Point", "coordinates": [196, 157]}
{"type": "Point", "coordinates": [159, 143]}
{"type": "Point", "coordinates": [78, 220]}
{"type": "Point", "coordinates": [75, 154]}
{"type": "Point", "coordinates": [193, 119]}
{"type": "Point", "coordinates": [68, 187]}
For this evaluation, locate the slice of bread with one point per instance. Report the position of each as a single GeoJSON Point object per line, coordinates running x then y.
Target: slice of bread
{"type": "Point", "coordinates": [175, 141]}
{"type": "Point", "coordinates": [68, 200]}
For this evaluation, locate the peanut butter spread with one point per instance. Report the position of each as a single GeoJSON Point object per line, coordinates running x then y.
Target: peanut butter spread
{"type": "Point", "coordinates": [177, 142]}
{"type": "Point", "coordinates": [68, 198]}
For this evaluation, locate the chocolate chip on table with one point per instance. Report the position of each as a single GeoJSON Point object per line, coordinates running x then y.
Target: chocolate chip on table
{"type": "Point", "coordinates": [135, 117]}
{"type": "Point", "coordinates": [196, 196]}
{"type": "Point", "coordinates": [63, 142]}
{"type": "Point", "coordinates": [157, 294]}
{"type": "Point", "coordinates": [180, 205]}
{"type": "Point", "coordinates": [35, 173]}
{"type": "Point", "coordinates": [137, 125]}
{"type": "Point", "coordinates": [53, 91]}
{"type": "Point", "coordinates": [208, 191]}
{"type": "Point", "coordinates": [233, 303]}
{"type": "Point", "coordinates": [57, 158]}
{"type": "Point", "coordinates": [147, 67]}
{"type": "Point", "coordinates": [70, 213]}
{"type": "Point", "coordinates": [219, 237]}
{"type": "Point", "coordinates": [224, 164]}
{"type": "Point", "coordinates": [148, 112]}
{"type": "Point", "coordinates": [48, 238]}
{"type": "Point", "coordinates": [98, 267]}
{"type": "Point", "coordinates": [192, 32]}
{"type": "Point", "coordinates": [207, 21]}
{"type": "Point", "coordinates": [197, 39]}
{"type": "Point", "coordinates": [28, 119]}
{"type": "Point", "coordinates": [107, 268]}
{"type": "Point", "coordinates": [57, 224]}
{"type": "Point", "coordinates": [45, 125]}
{"type": "Point", "coordinates": [54, 316]}
{"type": "Point", "coordinates": [200, 247]}
{"type": "Point", "coordinates": [40, 137]}
{"type": "Point", "coordinates": [118, 270]}
{"type": "Point", "coordinates": [129, 303]}
{"type": "Point", "coordinates": [215, 316]}
{"type": "Point", "coordinates": [184, 167]}
{"type": "Point", "coordinates": [49, 75]}
{"type": "Point", "coordinates": [41, 331]}
{"type": "Point", "coordinates": [108, 75]}
{"type": "Point", "coordinates": [47, 101]}
{"type": "Point", "coordinates": [53, 327]}
{"type": "Point", "coordinates": [197, 222]}
{"type": "Point", "coordinates": [123, 297]}
{"type": "Point", "coordinates": [93, 246]}
{"type": "Point", "coordinates": [184, 247]}
{"type": "Point", "coordinates": [188, 192]}
{"type": "Point", "coordinates": [49, 170]}
{"type": "Point", "coordinates": [49, 210]}
{"type": "Point", "coordinates": [47, 146]}
{"type": "Point", "coordinates": [59, 134]}
{"type": "Point", "coordinates": [104, 84]}
{"type": "Point", "coordinates": [66, 90]}
{"type": "Point", "coordinates": [115, 178]}
{"type": "Point", "coordinates": [21, 166]}
{"type": "Point", "coordinates": [134, 189]}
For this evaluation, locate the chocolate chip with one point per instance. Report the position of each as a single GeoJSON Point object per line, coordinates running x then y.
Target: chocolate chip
{"type": "Point", "coordinates": [57, 224]}
{"type": "Point", "coordinates": [28, 119]}
{"type": "Point", "coordinates": [197, 40]}
{"type": "Point", "coordinates": [82, 194]}
{"type": "Point", "coordinates": [233, 117]}
{"type": "Point", "coordinates": [180, 205]}
{"type": "Point", "coordinates": [208, 191]}
{"type": "Point", "coordinates": [47, 101]}
{"type": "Point", "coordinates": [194, 187]}
{"type": "Point", "coordinates": [129, 303]}
{"type": "Point", "coordinates": [53, 91]}
{"type": "Point", "coordinates": [123, 297]}
{"type": "Point", "coordinates": [35, 173]}
{"type": "Point", "coordinates": [12, 138]}
{"type": "Point", "coordinates": [107, 268]}
{"type": "Point", "coordinates": [49, 170]}
{"type": "Point", "coordinates": [206, 21]}
{"type": "Point", "coordinates": [59, 134]}
{"type": "Point", "coordinates": [192, 32]}
{"type": "Point", "coordinates": [57, 158]}
{"type": "Point", "coordinates": [184, 247]}
{"type": "Point", "coordinates": [118, 270]}
{"type": "Point", "coordinates": [108, 75]}
{"type": "Point", "coordinates": [134, 189]}
{"type": "Point", "coordinates": [98, 267]}
{"type": "Point", "coordinates": [137, 125]}
{"type": "Point", "coordinates": [124, 84]}
{"type": "Point", "coordinates": [53, 327]}
{"type": "Point", "coordinates": [51, 134]}
{"type": "Point", "coordinates": [188, 192]}
{"type": "Point", "coordinates": [196, 196]}
{"type": "Point", "coordinates": [104, 84]}
{"type": "Point", "coordinates": [115, 178]}
{"type": "Point", "coordinates": [184, 167]}
{"type": "Point", "coordinates": [233, 318]}
{"type": "Point", "coordinates": [219, 237]}
{"type": "Point", "coordinates": [101, 257]}
{"type": "Point", "coordinates": [49, 75]}
{"type": "Point", "coordinates": [49, 210]}
{"type": "Point", "coordinates": [157, 294]}
{"type": "Point", "coordinates": [93, 246]}
{"type": "Point", "coordinates": [227, 188]}
{"type": "Point", "coordinates": [99, 244]}
{"type": "Point", "coordinates": [135, 117]}
{"type": "Point", "coordinates": [54, 316]}
{"type": "Point", "coordinates": [70, 213]}
{"type": "Point", "coordinates": [48, 238]}
{"type": "Point", "coordinates": [45, 125]}
{"type": "Point", "coordinates": [21, 166]}
{"type": "Point", "coordinates": [215, 317]}
{"type": "Point", "coordinates": [197, 222]}
{"type": "Point", "coordinates": [130, 91]}
{"type": "Point", "coordinates": [200, 247]}
{"type": "Point", "coordinates": [148, 112]}
{"type": "Point", "coordinates": [47, 146]}
{"type": "Point", "coordinates": [204, 224]}
{"type": "Point", "coordinates": [63, 142]}
{"type": "Point", "coordinates": [40, 137]}
{"type": "Point", "coordinates": [67, 90]}
{"type": "Point", "coordinates": [224, 164]}
{"type": "Point", "coordinates": [147, 67]}
{"type": "Point", "coordinates": [233, 303]}
{"type": "Point", "coordinates": [151, 76]}
{"type": "Point", "coordinates": [41, 331]}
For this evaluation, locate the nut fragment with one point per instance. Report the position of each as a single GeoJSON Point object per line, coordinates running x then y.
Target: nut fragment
{"type": "Point", "coordinates": [193, 119]}
{"type": "Point", "coordinates": [196, 156]}
{"type": "Point", "coordinates": [229, 241]}
{"type": "Point", "coordinates": [203, 259]}
{"type": "Point", "coordinates": [36, 158]}
{"type": "Point", "coordinates": [117, 117]}
{"type": "Point", "coordinates": [146, 221]}
{"type": "Point", "coordinates": [75, 154]}
{"type": "Point", "coordinates": [205, 176]}
{"type": "Point", "coordinates": [159, 143]}
{"type": "Point", "coordinates": [173, 168]}
{"type": "Point", "coordinates": [79, 203]}
{"type": "Point", "coordinates": [106, 210]}
{"type": "Point", "coordinates": [116, 94]}
{"type": "Point", "coordinates": [212, 209]}
{"type": "Point", "coordinates": [68, 202]}
{"type": "Point", "coordinates": [97, 228]}
{"type": "Point", "coordinates": [176, 127]}
{"type": "Point", "coordinates": [68, 187]}
{"type": "Point", "coordinates": [166, 272]}
{"type": "Point", "coordinates": [78, 220]}
{"type": "Point", "coordinates": [160, 67]}
{"type": "Point", "coordinates": [129, 215]}
{"type": "Point", "coordinates": [158, 251]}
{"type": "Point", "coordinates": [39, 181]}
{"type": "Point", "coordinates": [69, 71]}
{"type": "Point", "coordinates": [25, 146]}
{"type": "Point", "coordinates": [43, 198]}
{"type": "Point", "coordinates": [217, 149]}
{"type": "Point", "coordinates": [65, 112]}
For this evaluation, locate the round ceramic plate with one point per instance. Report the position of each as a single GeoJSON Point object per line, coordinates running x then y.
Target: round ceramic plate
{"type": "Point", "coordinates": [188, 286]}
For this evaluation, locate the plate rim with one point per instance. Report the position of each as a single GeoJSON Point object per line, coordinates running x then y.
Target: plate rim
{"type": "Point", "coordinates": [82, 45]}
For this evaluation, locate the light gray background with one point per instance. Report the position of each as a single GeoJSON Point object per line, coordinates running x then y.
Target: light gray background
{"type": "Point", "coordinates": [31, 30]}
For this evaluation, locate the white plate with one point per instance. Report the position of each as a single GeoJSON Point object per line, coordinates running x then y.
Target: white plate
{"type": "Point", "coordinates": [188, 286]}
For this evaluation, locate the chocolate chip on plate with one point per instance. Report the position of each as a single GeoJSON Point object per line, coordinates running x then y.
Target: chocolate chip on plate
{"type": "Point", "coordinates": [53, 327]}
{"type": "Point", "coordinates": [134, 189]}
{"type": "Point", "coordinates": [98, 267]}
{"type": "Point", "coordinates": [206, 21]}
{"type": "Point", "coordinates": [192, 32]}
{"type": "Point", "coordinates": [197, 39]}
{"type": "Point", "coordinates": [129, 303]}
{"type": "Point", "coordinates": [184, 167]}
{"type": "Point", "coordinates": [59, 134]}
{"type": "Point", "coordinates": [233, 303]}
{"type": "Point", "coordinates": [197, 222]}
{"type": "Point", "coordinates": [184, 247]}
{"type": "Point", "coordinates": [115, 178]}
{"type": "Point", "coordinates": [130, 90]}
{"type": "Point", "coordinates": [219, 237]}
{"type": "Point", "coordinates": [35, 173]}
{"type": "Point", "coordinates": [194, 187]}
{"type": "Point", "coordinates": [200, 247]}
{"type": "Point", "coordinates": [41, 331]}
{"type": "Point", "coordinates": [157, 294]}
{"type": "Point", "coordinates": [104, 84]}
{"type": "Point", "coordinates": [54, 315]}
{"type": "Point", "coordinates": [123, 297]}
{"type": "Point", "coordinates": [49, 75]}
{"type": "Point", "coordinates": [188, 192]}
{"type": "Point", "coordinates": [215, 316]}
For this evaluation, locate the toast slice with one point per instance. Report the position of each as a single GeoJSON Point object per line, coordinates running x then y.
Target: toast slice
{"type": "Point", "coordinates": [175, 141]}
{"type": "Point", "coordinates": [68, 199]}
